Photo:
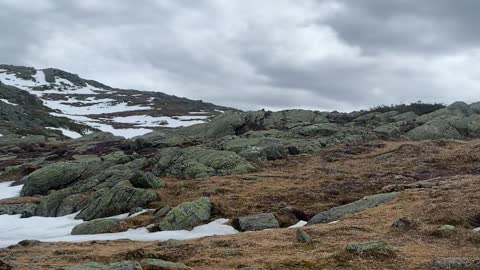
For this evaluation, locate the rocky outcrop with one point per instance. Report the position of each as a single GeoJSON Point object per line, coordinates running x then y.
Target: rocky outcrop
{"type": "Point", "coordinates": [118, 200]}
{"type": "Point", "coordinates": [198, 162]}
{"type": "Point", "coordinates": [55, 176]}
{"type": "Point", "coordinates": [187, 215]}
{"type": "Point", "coordinates": [256, 222]}
{"type": "Point", "coordinates": [336, 213]}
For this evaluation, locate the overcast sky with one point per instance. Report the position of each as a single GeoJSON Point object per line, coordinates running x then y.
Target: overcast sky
{"type": "Point", "coordinates": [253, 54]}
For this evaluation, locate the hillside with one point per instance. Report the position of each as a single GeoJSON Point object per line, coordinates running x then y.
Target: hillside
{"type": "Point", "coordinates": [122, 112]}
{"type": "Point", "coordinates": [244, 172]}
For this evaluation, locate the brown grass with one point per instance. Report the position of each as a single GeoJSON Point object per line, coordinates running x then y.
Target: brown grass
{"type": "Point", "coordinates": [314, 183]}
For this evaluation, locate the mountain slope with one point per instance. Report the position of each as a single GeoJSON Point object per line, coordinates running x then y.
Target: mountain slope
{"type": "Point", "coordinates": [122, 112]}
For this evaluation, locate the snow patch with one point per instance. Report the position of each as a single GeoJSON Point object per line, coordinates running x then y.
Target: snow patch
{"type": "Point", "coordinates": [67, 133]}
{"type": "Point", "coordinates": [9, 191]}
{"type": "Point", "coordinates": [8, 102]}
{"type": "Point", "coordinates": [161, 121]}
{"type": "Point", "coordinates": [300, 224]}
{"type": "Point", "coordinates": [14, 229]}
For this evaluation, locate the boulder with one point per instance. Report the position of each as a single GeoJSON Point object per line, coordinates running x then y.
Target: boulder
{"type": "Point", "coordinates": [336, 213]}
{"type": "Point", "coordinates": [404, 223]}
{"type": "Point", "coordinates": [55, 176]}
{"type": "Point", "coordinates": [145, 180]}
{"type": "Point", "coordinates": [370, 249]}
{"type": "Point", "coordinates": [321, 129]}
{"type": "Point", "coordinates": [198, 162]}
{"type": "Point", "coordinates": [24, 209]}
{"type": "Point", "coordinates": [187, 215]}
{"type": "Point", "coordinates": [303, 237]}
{"type": "Point", "coordinates": [388, 131]}
{"type": "Point", "coordinates": [98, 226]}
{"type": "Point", "coordinates": [127, 265]}
{"type": "Point", "coordinates": [455, 264]}
{"type": "Point", "coordinates": [438, 128]}
{"type": "Point", "coordinates": [445, 231]}
{"type": "Point", "coordinates": [256, 222]}
{"type": "Point", "coordinates": [254, 149]}
{"type": "Point", "coordinates": [157, 264]}
{"type": "Point", "coordinates": [62, 202]}
{"type": "Point", "coordinates": [117, 200]}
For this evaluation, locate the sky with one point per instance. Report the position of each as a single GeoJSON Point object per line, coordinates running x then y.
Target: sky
{"type": "Point", "coordinates": [249, 54]}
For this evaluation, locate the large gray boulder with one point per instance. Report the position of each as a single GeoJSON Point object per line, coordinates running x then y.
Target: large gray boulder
{"type": "Point", "coordinates": [198, 162]}
{"type": "Point", "coordinates": [98, 226]}
{"type": "Point", "coordinates": [62, 202]}
{"type": "Point", "coordinates": [256, 222]}
{"type": "Point", "coordinates": [117, 200]}
{"type": "Point", "coordinates": [438, 128]}
{"type": "Point", "coordinates": [336, 213]}
{"type": "Point", "coordinates": [55, 176]}
{"type": "Point", "coordinates": [187, 215]}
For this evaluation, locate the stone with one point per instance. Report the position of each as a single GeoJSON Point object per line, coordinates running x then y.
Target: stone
{"type": "Point", "coordinates": [99, 226]}
{"type": "Point", "coordinates": [455, 263]}
{"type": "Point", "coordinates": [370, 249]}
{"type": "Point", "coordinates": [303, 237]}
{"type": "Point", "coordinates": [53, 177]}
{"type": "Point", "coordinates": [438, 128]}
{"type": "Point", "coordinates": [198, 162]}
{"type": "Point", "coordinates": [157, 264]}
{"type": "Point", "coordinates": [145, 180]}
{"type": "Point", "coordinates": [117, 200]}
{"type": "Point", "coordinates": [187, 215]}
{"type": "Point", "coordinates": [404, 223]}
{"type": "Point", "coordinates": [24, 209]}
{"type": "Point", "coordinates": [445, 231]}
{"type": "Point", "coordinates": [256, 222]}
{"type": "Point", "coordinates": [336, 213]}
{"type": "Point", "coordinates": [126, 265]}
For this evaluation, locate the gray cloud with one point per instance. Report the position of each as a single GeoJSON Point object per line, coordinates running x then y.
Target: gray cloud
{"type": "Point", "coordinates": [250, 54]}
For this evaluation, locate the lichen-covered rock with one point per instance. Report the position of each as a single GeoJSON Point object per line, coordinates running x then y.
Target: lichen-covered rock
{"type": "Point", "coordinates": [445, 231]}
{"type": "Point", "coordinates": [371, 249]}
{"type": "Point", "coordinates": [62, 202]}
{"type": "Point", "coordinates": [256, 222]}
{"type": "Point", "coordinates": [117, 157]}
{"type": "Point", "coordinates": [117, 200]}
{"type": "Point", "coordinates": [321, 129]}
{"type": "Point", "coordinates": [187, 215]}
{"type": "Point", "coordinates": [157, 264]}
{"type": "Point", "coordinates": [455, 264]}
{"type": "Point", "coordinates": [388, 131]}
{"type": "Point", "coordinates": [127, 265]}
{"type": "Point", "coordinates": [145, 180]}
{"type": "Point", "coordinates": [198, 162]}
{"type": "Point", "coordinates": [24, 209]}
{"type": "Point", "coordinates": [99, 226]}
{"type": "Point", "coordinates": [55, 176]}
{"type": "Point", "coordinates": [303, 236]}
{"type": "Point", "coordinates": [438, 128]}
{"type": "Point", "coordinates": [338, 212]}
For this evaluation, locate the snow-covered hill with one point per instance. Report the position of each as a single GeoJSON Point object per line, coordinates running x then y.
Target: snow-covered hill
{"type": "Point", "coordinates": [122, 112]}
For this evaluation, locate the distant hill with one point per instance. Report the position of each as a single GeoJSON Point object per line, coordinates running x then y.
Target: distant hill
{"type": "Point", "coordinates": [122, 112]}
